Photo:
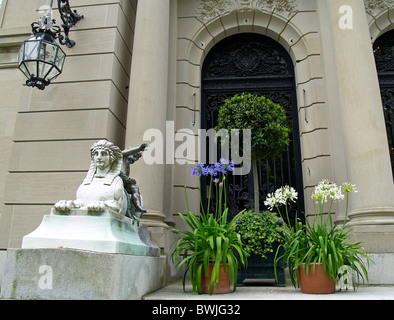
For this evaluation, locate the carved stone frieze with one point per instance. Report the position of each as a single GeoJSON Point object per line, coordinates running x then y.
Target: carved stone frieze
{"type": "Point", "coordinates": [374, 7]}
{"type": "Point", "coordinates": [211, 9]}
{"type": "Point", "coordinates": [278, 6]}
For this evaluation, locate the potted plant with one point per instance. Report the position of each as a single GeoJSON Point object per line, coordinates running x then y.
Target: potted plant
{"type": "Point", "coordinates": [212, 249]}
{"type": "Point", "coordinates": [262, 232]}
{"type": "Point", "coordinates": [268, 124]}
{"type": "Point", "coordinates": [321, 251]}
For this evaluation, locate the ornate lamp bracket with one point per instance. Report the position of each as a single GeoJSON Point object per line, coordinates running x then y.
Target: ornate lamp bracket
{"type": "Point", "coordinates": [40, 58]}
{"type": "Point", "coordinates": [47, 24]}
{"type": "Point", "coordinates": [69, 18]}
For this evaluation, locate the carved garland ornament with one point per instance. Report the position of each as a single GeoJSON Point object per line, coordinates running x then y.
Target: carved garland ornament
{"type": "Point", "coordinates": [211, 9]}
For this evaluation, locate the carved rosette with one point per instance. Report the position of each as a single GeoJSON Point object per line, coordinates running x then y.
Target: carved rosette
{"type": "Point", "coordinates": [210, 9]}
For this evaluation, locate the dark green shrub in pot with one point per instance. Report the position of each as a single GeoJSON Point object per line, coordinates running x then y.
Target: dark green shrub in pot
{"type": "Point", "coordinates": [260, 231]}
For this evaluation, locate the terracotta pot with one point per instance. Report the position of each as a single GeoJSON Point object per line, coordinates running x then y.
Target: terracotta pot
{"type": "Point", "coordinates": [315, 282]}
{"type": "Point", "coordinates": [222, 286]}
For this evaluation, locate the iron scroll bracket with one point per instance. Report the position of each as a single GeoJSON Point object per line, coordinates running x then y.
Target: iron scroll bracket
{"type": "Point", "coordinates": [70, 18]}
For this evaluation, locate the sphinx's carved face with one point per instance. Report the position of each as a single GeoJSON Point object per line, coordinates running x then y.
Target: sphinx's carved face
{"type": "Point", "coordinates": [101, 158]}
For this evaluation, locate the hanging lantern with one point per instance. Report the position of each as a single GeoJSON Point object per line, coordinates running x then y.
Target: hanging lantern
{"type": "Point", "coordinates": [41, 60]}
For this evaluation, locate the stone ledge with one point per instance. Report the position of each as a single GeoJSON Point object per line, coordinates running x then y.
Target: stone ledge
{"type": "Point", "coordinates": [104, 233]}
{"type": "Point", "coordinates": [67, 274]}
{"type": "Point", "coordinates": [381, 273]}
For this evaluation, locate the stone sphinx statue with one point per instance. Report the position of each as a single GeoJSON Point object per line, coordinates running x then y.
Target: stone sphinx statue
{"type": "Point", "coordinates": [102, 189]}
{"type": "Point", "coordinates": [103, 215]}
{"type": "Point", "coordinates": [107, 186]}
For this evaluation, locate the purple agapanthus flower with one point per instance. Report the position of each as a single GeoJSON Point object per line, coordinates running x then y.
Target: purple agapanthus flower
{"type": "Point", "coordinates": [198, 170]}
{"type": "Point", "coordinates": [227, 164]}
{"type": "Point", "coordinates": [212, 171]}
{"type": "Point", "coordinates": [223, 166]}
{"type": "Point", "coordinates": [205, 171]}
{"type": "Point", "coordinates": [220, 168]}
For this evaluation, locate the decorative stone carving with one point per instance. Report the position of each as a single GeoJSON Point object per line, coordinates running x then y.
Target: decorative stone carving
{"type": "Point", "coordinates": [103, 216]}
{"type": "Point", "coordinates": [211, 9]}
{"type": "Point", "coordinates": [102, 189]}
{"type": "Point", "coordinates": [374, 7]}
{"type": "Point", "coordinates": [278, 6]}
{"type": "Point", "coordinates": [106, 188]}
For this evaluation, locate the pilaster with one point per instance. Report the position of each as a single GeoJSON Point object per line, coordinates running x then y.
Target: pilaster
{"type": "Point", "coordinates": [358, 140]}
{"type": "Point", "coordinates": [147, 106]}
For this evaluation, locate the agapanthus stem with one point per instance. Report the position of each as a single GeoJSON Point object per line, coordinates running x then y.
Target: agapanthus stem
{"type": "Point", "coordinates": [209, 195]}
{"type": "Point", "coordinates": [201, 204]}
{"type": "Point", "coordinates": [187, 201]}
{"type": "Point", "coordinates": [329, 213]}
{"type": "Point", "coordinates": [347, 206]}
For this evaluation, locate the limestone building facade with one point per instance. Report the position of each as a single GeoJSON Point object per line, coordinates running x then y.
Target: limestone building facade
{"type": "Point", "coordinates": [142, 65]}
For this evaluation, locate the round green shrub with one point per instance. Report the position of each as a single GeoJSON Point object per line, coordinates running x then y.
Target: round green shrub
{"type": "Point", "coordinates": [260, 231]}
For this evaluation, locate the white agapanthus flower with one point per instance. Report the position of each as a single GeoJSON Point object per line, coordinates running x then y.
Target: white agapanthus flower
{"type": "Point", "coordinates": [349, 187]}
{"type": "Point", "coordinates": [326, 189]}
{"type": "Point", "coordinates": [280, 197]}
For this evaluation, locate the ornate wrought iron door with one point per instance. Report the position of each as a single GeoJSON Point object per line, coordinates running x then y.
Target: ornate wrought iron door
{"type": "Point", "coordinates": [384, 58]}
{"type": "Point", "coordinates": [255, 64]}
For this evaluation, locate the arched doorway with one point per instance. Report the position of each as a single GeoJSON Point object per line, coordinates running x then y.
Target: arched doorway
{"type": "Point", "coordinates": [253, 63]}
{"type": "Point", "coordinates": [384, 58]}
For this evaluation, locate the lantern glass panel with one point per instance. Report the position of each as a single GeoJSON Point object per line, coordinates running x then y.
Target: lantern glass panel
{"type": "Point", "coordinates": [53, 74]}
{"type": "Point", "coordinates": [43, 69]}
{"type": "Point", "coordinates": [48, 52]}
{"type": "Point", "coordinates": [60, 57]}
{"type": "Point", "coordinates": [24, 70]}
{"type": "Point", "coordinates": [31, 49]}
{"type": "Point", "coordinates": [31, 66]}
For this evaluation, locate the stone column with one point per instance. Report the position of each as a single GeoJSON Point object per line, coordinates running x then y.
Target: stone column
{"type": "Point", "coordinates": [359, 147]}
{"type": "Point", "coordinates": [147, 105]}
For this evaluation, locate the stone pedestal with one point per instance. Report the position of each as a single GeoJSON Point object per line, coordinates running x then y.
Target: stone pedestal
{"type": "Point", "coordinates": [59, 274]}
{"type": "Point", "coordinates": [108, 232]}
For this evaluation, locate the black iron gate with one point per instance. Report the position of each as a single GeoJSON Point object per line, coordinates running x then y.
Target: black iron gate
{"type": "Point", "coordinates": [255, 64]}
{"type": "Point", "coordinates": [384, 58]}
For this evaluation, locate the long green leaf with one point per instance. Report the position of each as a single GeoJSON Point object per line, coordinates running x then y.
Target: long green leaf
{"type": "Point", "coordinates": [214, 276]}
{"type": "Point", "coordinates": [218, 250]}
{"type": "Point", "coordinates": [225, 249]}
{"type": "Point", "coordinates": [198, 278]}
